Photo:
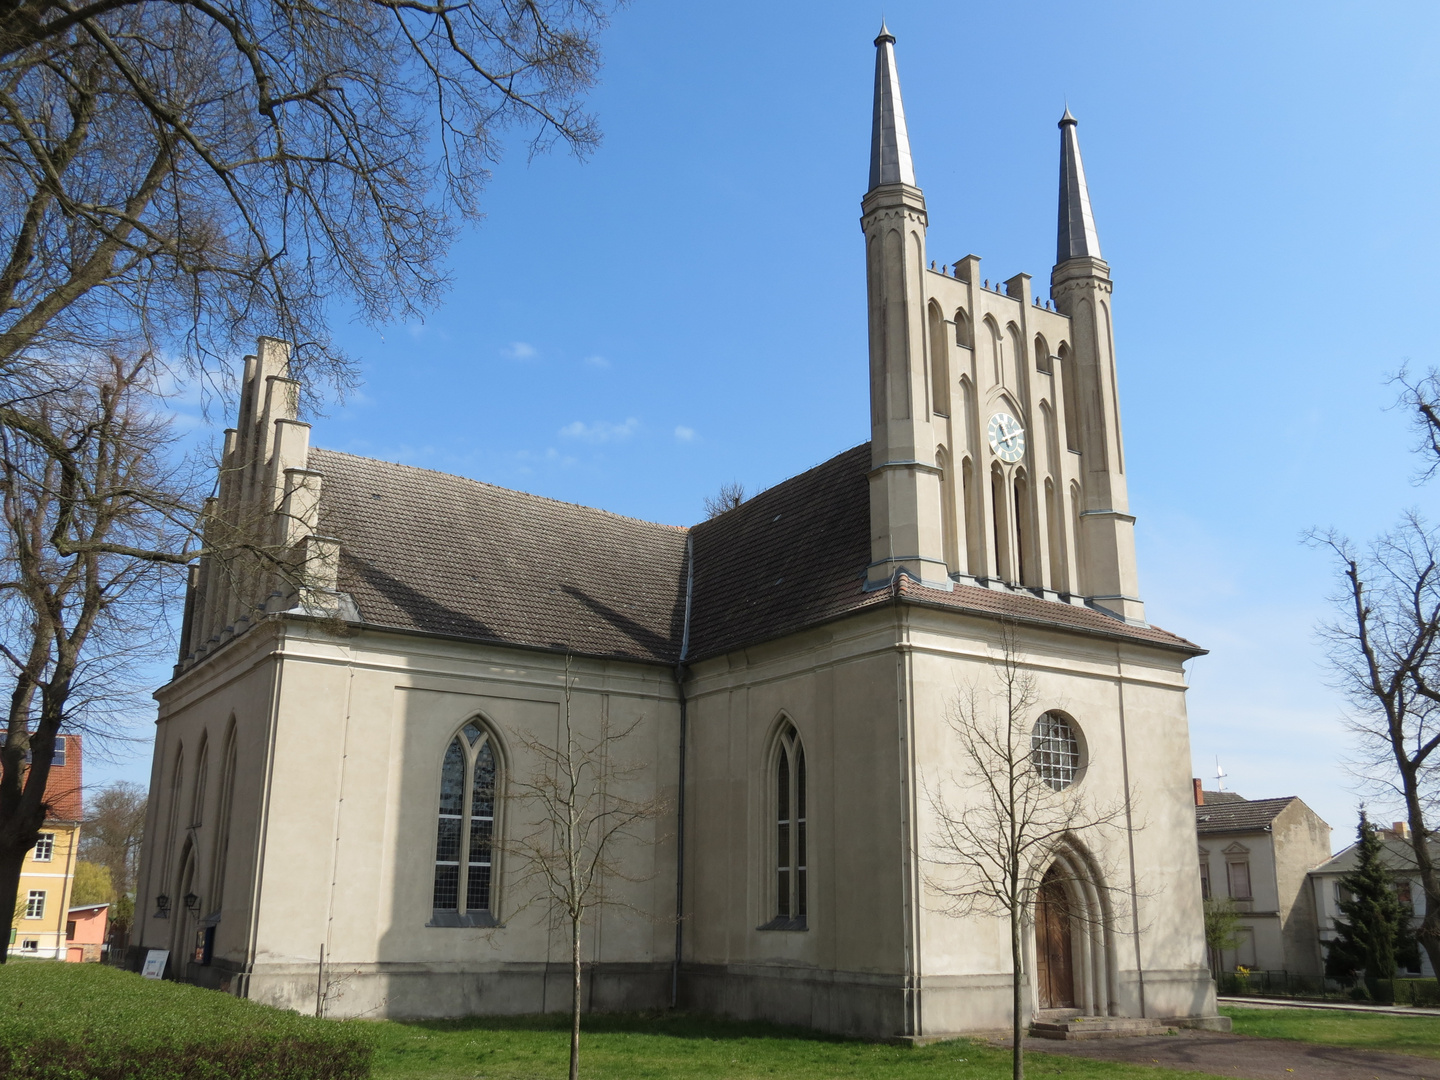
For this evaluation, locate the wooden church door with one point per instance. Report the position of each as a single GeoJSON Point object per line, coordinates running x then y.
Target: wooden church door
{"type": "Point", "coordinates": [1056, 982]}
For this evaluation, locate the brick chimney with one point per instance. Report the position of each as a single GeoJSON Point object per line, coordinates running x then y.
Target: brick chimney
{"type": "Point", "coordinates": [1199, 795]}
{"type": "Point", "coordinates": [1401, 830]}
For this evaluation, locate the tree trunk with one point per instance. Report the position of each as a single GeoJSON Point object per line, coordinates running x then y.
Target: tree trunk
{"type": "Point", "coordinates": [1017, 1054]}
{"type": "Point", "coordinates": [575, 998]}
{"type": "Point", "coordinates": [11, 863]}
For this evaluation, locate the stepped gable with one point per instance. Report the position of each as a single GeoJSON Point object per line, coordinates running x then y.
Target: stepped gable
{"type": "Point", "coordinates": [1240, 815]}
{"type": "Point", "coordinates": [426, 551]}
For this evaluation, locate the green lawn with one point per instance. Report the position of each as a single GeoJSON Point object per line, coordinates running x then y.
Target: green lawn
{"type": "Point", "coordinates": [1369, 1031]}
{"type": "Point", "coordinates": [678, 1047]}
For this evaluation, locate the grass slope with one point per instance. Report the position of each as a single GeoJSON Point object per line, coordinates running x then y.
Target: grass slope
{"type": "Point", "coordinates": [1418, 1035]}
{"type": "Point", "coordinates": [679, 1047]}
{"type": "Point", "coordinates": [87, 1020]}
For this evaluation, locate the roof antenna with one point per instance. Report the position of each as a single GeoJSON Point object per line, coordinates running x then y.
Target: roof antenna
{"type": "Point", "coordinates": [1219, 776]}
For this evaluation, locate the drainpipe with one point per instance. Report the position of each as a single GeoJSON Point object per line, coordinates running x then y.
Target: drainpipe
{"type": "Point", "coordinates": [679, 673]}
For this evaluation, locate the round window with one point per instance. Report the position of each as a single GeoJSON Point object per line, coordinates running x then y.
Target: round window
{"type": "Point", "coordinates": [1055, 750]}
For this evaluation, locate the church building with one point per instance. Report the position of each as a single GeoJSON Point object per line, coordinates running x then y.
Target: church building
{"type": "Point", "coordinates": [340, 755]}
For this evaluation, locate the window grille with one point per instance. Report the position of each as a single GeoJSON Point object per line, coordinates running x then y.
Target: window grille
{"type": "Point", "coordinates": [45, 847]}
{"type": "Point", "coordinates": [791, 904]}
{"type": "Point", "coordinates": [466, 824]}
{"type": "Point", "coordinates": [35, 904]}
{"type": "Point", "coordinates": [1055, 750]}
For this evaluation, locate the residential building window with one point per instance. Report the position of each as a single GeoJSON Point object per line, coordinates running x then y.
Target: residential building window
{"type": "Point", "coordinates": [70, 930]}
{"type": "Point", "coordinates": [791, 909]}
{"type": "Point", "coordinates": [1239, 874]}
{"type": "Point", "coordinates": [35, 904]}
{"type": "Point", "coordinates": [468, 783]}
{"type": "Point", "coordinates": [1055, 750]}
{"type": "Point", "coordinates": [30, 945]}
{"type": "Point", "coordinates": [1404, 895]}
{"type": "Point", "coordinates": [45, 847]}
{"type": "Point", "coordinates": [58, 760]}
{"type": "Point", "coordinates": [1205, 879]}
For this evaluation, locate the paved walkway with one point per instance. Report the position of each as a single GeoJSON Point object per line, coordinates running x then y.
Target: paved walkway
{"type": "Point", "coordinates": [1245, 1056]}
{"type": "Point", "coordinates": [1343, 1006]}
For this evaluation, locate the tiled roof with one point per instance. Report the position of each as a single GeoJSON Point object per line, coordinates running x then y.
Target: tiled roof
{"type": "Point", "coordinates": [430, 552]}
{"type": "Point", "coordinates": [1216, 798]}
{"type": "Point", "coordinates": [1241, 815]}
{"type": "Point", "coordinates": [423, 550]}
{"type": "Point", "coordinates": [790, 557]}
{"type": "Point", "coordinates": [1396, 855]}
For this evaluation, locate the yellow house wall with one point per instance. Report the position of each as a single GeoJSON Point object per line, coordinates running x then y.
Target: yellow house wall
{"type": "Point", "coordinates": [57, 879]}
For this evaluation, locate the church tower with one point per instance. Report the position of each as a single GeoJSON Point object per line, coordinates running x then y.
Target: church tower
{"type": "Point", "coordinates": [906, 533]}
{"type": "Point", "coordinates": [1080, 284]}
{"type": "Point", "coordinates": [996, 450]}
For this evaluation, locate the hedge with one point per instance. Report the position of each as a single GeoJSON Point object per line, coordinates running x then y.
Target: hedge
{"type": "Point", "coordinates": [63, 1021]}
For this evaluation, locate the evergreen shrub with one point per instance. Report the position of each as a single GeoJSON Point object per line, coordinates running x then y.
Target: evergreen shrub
{"type": "Point", "coordinates": [63, 1021]}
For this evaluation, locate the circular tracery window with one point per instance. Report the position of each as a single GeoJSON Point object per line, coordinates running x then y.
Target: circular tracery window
{"type": "Point", "coordinates": [1055, 750]}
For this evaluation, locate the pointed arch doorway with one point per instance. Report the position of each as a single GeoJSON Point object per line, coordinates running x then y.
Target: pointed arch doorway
{"type": "Point", "coordinates": [1054, 947]}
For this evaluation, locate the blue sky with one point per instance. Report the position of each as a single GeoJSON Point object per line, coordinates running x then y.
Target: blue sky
{"type": "Point", "coordinates": [687, 307]}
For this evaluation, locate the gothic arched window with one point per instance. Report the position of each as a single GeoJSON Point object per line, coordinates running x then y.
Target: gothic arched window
{"type": "Point", "coordinates": [465, 835]}
{"type": "Point", "coordinates": [790, 839]}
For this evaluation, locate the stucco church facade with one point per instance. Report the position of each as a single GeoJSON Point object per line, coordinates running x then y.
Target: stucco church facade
{"type": "Point", "coordinates": [336, 754]}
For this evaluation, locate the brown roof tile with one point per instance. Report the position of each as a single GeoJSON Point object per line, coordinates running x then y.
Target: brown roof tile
{"type": "Point", "coordinates": [423, 550]}
{"type": "Point", "coordinates": [431, 552]}
{"type": "Point", "coordinates": [1240, 815]}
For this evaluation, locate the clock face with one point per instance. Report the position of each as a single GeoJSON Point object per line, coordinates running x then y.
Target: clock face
{"type": "Point", "coordinates": [1007, 437]}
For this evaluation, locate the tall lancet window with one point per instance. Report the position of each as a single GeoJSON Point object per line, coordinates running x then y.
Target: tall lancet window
{"type": "Point", "coordinates": [465, 834]}
{"type": "Point", "coordinates": [790, 838]}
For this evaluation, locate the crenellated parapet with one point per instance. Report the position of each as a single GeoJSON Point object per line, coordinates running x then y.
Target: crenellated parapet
{"type": "Point", "coordinates": [266, 551]}
{"type": "Point", "coordinates": [995, 421]}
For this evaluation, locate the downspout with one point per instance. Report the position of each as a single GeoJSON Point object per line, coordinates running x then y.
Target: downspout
{"type": "Point", "coordinates": [1130, 830]}
{"type": "Point", "coordinates": [679, 673]}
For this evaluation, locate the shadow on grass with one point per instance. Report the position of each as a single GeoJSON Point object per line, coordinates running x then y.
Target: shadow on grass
{"type": "Point", "coordinates": [673, 1025]}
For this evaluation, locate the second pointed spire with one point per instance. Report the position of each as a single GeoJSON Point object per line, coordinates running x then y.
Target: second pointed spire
{"type": "Point", "coordinates": [1077, 236]}
{"type": "Point", "coordinates": [889, 141]}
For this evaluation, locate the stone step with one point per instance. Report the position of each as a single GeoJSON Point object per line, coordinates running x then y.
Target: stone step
{"type": "Point", "coordinates": [1095, 1027]}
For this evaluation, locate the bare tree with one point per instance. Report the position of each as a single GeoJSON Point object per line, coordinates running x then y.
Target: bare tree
{"type": "Point", "coordinates": [176, 178]}
{"type": "Point", "coordinates": [190, 174]}
{"type": "Point", "coordinates": [114, 827]}
{"type": "Point", "coordinates": [89, 541]}
{"type": "Point", "coordinates": [999, 824]}
{"type": "Point", "coordinates": [1384, 648]}
{"type": "Point", "coordinates": [585, 824]}
{"type": "Point", "coordinates": [730, 495]}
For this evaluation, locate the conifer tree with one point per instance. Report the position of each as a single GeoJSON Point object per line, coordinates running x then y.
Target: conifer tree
{"type": "Point", "coordinates": [1376, 933]}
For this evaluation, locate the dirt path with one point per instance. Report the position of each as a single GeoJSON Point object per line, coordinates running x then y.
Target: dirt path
{"type": "Point", "coordinates": [1246, 1056]}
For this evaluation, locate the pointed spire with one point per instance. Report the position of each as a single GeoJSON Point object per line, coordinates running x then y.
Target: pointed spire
{"type": "Point", "coordinates": [1077, 237]}
{"type": "Point", "coordinates": [889, 141]}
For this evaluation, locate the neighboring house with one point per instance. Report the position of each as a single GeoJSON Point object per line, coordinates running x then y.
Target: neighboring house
{"type": "Point", "coordinates": [1400, 858]}
{"type": "Point", "coordinates": [85, 933]}
{"type": "Point", "coordinates": [1258, 852]}
{"type": "Point", "coordinates": [336, 767]}
{"type": "Point", "coordinates": [48, 874]}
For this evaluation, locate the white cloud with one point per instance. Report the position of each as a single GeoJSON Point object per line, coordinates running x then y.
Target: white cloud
{"type": "Point", "coordinates": [602, 431]}
{"type": "Point", "coordinates": [597, 362]}
{"type": "Point", "coordinates": [520, 350]}
{"type": "Point", "coordinates": [684, 434]}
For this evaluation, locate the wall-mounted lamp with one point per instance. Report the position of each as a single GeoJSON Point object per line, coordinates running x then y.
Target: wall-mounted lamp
{"type": "Point", "coordinates": [162, 906]}
{"type": "Point", "coordinates": [192, 903]}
